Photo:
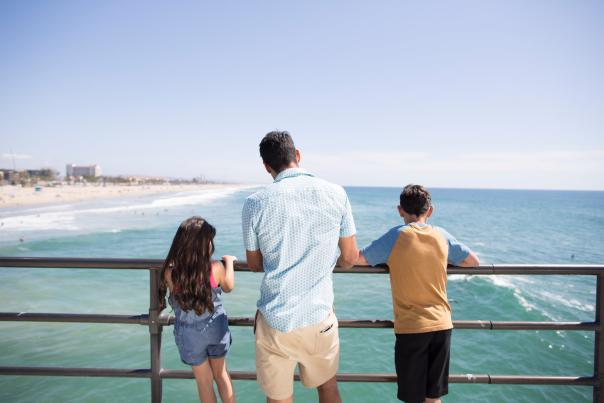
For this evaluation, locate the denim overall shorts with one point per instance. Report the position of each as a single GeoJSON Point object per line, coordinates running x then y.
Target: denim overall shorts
{"type": "Point", "coordinates": [201, 336]}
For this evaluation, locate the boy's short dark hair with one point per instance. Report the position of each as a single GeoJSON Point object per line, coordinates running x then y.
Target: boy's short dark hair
{"type": "Point", "coordinates": [277, 150]}
{"type": "Point", "coordinates": [415, 199]}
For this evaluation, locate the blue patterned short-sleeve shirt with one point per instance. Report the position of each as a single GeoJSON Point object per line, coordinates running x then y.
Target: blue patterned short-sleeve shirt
{"type": "Point", "coordinates": [296, 223]}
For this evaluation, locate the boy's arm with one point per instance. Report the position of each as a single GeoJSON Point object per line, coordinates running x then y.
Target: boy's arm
{"type": "Point", "coordinates": [378, 251]}
{"type": "Point", "coordinates": [470, 261]}
{"type": "Point", "coordinates": [459, 254]}
{"type": "Point", "coordinates": [361, 261]}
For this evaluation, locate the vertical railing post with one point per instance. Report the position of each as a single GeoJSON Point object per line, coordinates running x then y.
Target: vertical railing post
{"type": "Point", "coordinates": [598, 396]}
{"type": "Point", "coordinates": [155, 334]}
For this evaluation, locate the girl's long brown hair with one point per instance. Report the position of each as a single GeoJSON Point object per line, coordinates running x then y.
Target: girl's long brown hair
{"type": "Point", "coordinates": [189, 259]}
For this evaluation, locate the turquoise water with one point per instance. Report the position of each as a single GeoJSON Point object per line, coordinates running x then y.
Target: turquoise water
{"type": "Point", "coordinates": [502, 226]}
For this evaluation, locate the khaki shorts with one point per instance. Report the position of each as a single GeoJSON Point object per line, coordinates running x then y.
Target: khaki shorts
{"type": "Point", "coordinates": [315, 348]}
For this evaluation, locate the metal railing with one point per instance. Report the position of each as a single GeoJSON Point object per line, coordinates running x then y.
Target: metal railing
{"type": "Point", "coordinates": [155, 323]}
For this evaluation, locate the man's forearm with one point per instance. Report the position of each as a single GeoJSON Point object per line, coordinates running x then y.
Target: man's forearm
{"type": "Point", "coordinates": [254, 261]}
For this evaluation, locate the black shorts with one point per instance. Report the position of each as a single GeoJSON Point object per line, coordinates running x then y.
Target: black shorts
{"type": "Point", "coordinates": [422, 365]}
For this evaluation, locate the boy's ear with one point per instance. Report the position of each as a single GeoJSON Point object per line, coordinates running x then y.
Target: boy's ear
{"type": "Point", "coordinates": [400, 210]}
{"type": "Point", "coordinates": [430, 211]}
{"type": "Point", "coordinates": [297, 156]}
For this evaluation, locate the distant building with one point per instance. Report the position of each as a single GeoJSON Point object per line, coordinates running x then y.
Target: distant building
{"type": "Point", "coordinates": [45, 173]}
{"type": "Point", "coordinates": [9, 176]}
{"type": "Point", "coordinates": [82, 170]}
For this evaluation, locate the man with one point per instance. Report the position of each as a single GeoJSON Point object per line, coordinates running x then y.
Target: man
{"type": "Point", "coordinates": [292, 230]}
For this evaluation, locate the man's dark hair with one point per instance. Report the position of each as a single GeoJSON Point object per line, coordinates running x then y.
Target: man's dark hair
{"type": "Point", "coordinates": [277, 150]}
{"type": "Point", "coordinates": [415, 199]}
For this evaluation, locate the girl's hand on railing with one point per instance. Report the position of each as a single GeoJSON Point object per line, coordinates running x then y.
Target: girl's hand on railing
{"type": "Point", "coordinates": [229, 273]}
{"type": "Point", "coordinates": [229, 259]}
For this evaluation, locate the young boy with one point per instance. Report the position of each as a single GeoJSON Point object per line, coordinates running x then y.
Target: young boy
{"type": "Point", "coordinates": [417, 255]}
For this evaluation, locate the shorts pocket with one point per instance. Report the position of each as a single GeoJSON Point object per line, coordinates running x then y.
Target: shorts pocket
{"type": "Point", "coordinates": [327, 338]}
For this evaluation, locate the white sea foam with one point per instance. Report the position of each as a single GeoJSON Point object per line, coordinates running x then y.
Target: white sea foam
{"type": "Point", "coordinates": [460, 277]}
{"type": "Point", "coordinates": [502, 281]}
{"type": "Point", "coordinates": [180, 199]}
{"type": "Point", "coordinates": [513, 285]}
{"type": "Point", "coordinates": [64, 220]}
{"type": "Point", "coordinates": [568, 302]}
{"type": "Point", "coordinates": [523, 302]}
{"type": "Point", "coordinates": [70, 218]}
{"type": "Point", "coordinates": [531, 296]}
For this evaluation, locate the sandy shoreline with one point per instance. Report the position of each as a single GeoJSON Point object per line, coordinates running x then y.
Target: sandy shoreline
{"type": "Point", "coordinates": [15, 196]}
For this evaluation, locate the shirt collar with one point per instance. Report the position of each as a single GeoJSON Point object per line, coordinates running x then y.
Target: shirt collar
{"type": "Point", "coordinates": [291, 173]}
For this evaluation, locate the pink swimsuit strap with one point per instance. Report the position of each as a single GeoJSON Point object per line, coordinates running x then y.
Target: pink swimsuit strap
{"type": "Point", "coordinates": [213, 282]}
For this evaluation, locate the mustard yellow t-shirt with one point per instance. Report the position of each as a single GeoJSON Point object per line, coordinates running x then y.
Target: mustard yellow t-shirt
{"type": "Point", "coordinates": [417, 256]}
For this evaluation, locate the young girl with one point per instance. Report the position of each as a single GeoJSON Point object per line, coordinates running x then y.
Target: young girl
{"type": "Point", "coordinates": [195, 282]}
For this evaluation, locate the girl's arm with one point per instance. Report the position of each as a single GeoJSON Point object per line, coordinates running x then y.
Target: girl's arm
{"type": "Point", "coordinates": [224, 274]}
{"type": "Point", "coordinates": [168, 279]}
{"type": "Point", "coordinates": [165, 284]}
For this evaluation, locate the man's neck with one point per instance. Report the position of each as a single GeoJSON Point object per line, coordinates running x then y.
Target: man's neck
{"type": "Point", "coordinates": [274, 174]}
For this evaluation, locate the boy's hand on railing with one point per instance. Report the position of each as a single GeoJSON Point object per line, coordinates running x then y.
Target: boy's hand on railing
{"type": "Point", "coordinates": [471, 260]}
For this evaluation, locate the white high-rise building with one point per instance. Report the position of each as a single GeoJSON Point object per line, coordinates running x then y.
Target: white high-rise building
{"type": "Point", "coordinates": [82, 170]}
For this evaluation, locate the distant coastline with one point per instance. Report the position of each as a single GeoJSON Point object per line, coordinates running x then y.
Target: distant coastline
{"type": "Point", "coordinates": [17, 196]}
{"type": "Point", "coordinates": [479, 188]}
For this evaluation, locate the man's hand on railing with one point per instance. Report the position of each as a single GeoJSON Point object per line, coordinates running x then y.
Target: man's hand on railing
{"type": "Point", "coordinates": [349, 253]}
{"type": "Point", "coordinates": [254, 260]}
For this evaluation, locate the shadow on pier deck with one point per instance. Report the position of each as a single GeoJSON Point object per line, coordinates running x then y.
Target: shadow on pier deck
{"type": "Point", "coordinates": [155, 322]}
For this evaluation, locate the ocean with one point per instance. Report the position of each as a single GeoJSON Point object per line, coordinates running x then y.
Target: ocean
{"type": "Point", "coordinates": [503, 226]}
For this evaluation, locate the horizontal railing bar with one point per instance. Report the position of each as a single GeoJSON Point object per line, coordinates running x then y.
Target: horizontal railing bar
{"type": "Point", "coordinates": [521, 269]}
{"type": "Point", "coordinates": [497, 269]}
{"type": "Point", "coordinates": [248, 322]}
{"type": "Point", "coordinates": [154, 264]}
{"type": "Point", "coordinates": [74, 318]}
{"type": "Point", "coordinates": [524, 380]}
{"type": "Point", "coordinates": [83, 372]}
{"type": "Point", "coordinates": [80, 263]}
{"type": "Point", "coordinates": [342, 377]}
{"type": "Point", "coordinates": [391, 377]}
{"type": "Point", "coordinates": [458, 324]}
{"type": "Point", "coordinates": [522, 325]}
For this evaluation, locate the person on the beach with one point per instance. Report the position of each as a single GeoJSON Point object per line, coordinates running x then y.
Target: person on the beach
{"type": "Point", "coordinates": [201, 329]}
{"type": "Point", "coordinates": [292, 230]}
{"type": "Point", "coordinates": [417, 255]}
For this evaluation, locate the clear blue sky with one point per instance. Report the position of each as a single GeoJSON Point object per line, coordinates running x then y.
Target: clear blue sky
{"type": "Point", "coordinates": [506, 94]}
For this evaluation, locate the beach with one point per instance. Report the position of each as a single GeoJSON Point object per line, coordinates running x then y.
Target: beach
{"type": "Point", "coordinates": [17, 196]}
